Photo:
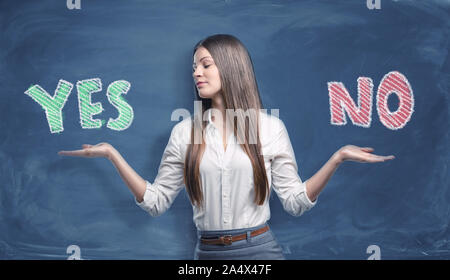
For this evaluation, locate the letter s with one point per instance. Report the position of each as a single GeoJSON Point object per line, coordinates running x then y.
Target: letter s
{"type": "Point", "coordinates": [126, 115]}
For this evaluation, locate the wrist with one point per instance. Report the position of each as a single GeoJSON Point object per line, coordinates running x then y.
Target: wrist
{"type": "Point", "coordinates": [337, 158]}
{"type": "Point", "coordinates": [111, 154]}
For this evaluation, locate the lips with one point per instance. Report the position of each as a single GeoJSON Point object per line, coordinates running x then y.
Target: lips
{"type": "Point", "coordinates": [201, 83]}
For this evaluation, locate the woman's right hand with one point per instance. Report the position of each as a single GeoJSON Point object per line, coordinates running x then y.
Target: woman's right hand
{"type": "Point", "coordinates": [100, 150]}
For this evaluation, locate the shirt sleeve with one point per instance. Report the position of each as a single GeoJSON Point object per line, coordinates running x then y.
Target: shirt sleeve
{"type": "Point", "coordinates": [169, 181]}
{"type": "Point", "coordinates": [286, 182]}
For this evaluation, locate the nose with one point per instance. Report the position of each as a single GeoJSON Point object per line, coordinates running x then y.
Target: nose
{"type": "Point", "coordinates": [197, 72]}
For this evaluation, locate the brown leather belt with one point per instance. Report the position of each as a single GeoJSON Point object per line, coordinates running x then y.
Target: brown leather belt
{"type": "Point", "coordinates": [228, 239]}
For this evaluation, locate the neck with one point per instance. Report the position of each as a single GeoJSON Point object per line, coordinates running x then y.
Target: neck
{"type": "Point", "coordinates": [219, 104]}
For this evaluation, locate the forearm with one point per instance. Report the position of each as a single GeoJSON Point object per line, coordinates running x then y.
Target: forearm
{"type": "Point", "coordinates": [134, 182]}
{"type": "Point", "coordinates": [318, 181]}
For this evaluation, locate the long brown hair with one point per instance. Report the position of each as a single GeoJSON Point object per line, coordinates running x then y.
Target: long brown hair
{"type": "Point", "coordinates": [240, 91]}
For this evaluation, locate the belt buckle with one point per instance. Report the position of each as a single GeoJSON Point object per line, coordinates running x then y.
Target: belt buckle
{"type": "Point", "coordinates": [226, 239]}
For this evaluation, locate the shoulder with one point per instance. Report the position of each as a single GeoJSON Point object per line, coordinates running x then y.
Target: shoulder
{"type": "Point", "coordinates": [271, 130]}
{"type": "Point", "coordinates": [181, 131]}
{"type": "Point", "coordinates": [184, 124]}
{"type": "Point", "coordinates": [270, 123]}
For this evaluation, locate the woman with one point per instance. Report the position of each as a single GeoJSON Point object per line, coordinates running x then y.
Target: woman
{"type": "Point", "coordinates": [228, 167]}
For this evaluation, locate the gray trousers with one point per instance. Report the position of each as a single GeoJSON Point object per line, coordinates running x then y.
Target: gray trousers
{"type": "Point", "coordinates": [261, 247]}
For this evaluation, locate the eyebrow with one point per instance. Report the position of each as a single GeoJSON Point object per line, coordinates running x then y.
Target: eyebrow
{"type": "Point", "coordinates": [202, 59]}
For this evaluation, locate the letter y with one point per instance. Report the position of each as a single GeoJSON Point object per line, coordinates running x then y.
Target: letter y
{"type": "Point", "coordinates": [52, 105]}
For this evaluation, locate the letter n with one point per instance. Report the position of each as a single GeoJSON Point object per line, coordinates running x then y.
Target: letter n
{"type": "Point", "coordinates": [341, 100]}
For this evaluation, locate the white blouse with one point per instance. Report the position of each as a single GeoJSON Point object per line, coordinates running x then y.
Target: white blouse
{"type": "Point", "coordinates": [227, 177]}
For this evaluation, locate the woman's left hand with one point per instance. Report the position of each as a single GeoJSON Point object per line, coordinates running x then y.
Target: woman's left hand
{"type": "Point", "coordinates": [359, 154]}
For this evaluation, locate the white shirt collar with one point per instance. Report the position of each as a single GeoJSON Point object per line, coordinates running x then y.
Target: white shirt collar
{"type": "Point", "coordinates": [209, 116]}
{"type": "Point", "coordinates": [210, 125]}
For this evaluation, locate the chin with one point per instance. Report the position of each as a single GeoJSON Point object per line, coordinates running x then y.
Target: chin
{"type": "Point", "coordinates": [206, 95]}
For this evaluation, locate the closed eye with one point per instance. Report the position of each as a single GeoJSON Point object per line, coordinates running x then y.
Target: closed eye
{"type": "Point", "coordinates": [206, 66]}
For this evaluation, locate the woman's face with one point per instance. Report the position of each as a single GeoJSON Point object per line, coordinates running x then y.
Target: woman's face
{"type": "Point", "coordinates": [205, 73]}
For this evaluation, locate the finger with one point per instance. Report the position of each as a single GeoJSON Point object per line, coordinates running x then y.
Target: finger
{"type": "Point", "coordinates": [377, 158]}
{"type": "Point", "coordinates": [85, 146]}
{"type": "Point", "coordinates": [386, 157]}
{"type": "Point", "coordinates": [71, 153]}
{"type": "Point", "coordinates": [367, 149]}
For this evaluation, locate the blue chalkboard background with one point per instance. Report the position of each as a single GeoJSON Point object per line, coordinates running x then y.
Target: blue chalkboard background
{"type": "Point", "coordinates": [48, 202]}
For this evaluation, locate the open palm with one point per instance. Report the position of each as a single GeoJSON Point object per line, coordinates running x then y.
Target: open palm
{"type": "Point", "coordinates": [90, 151]}
{"type": "Point", "coordinates": [361, 154]}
